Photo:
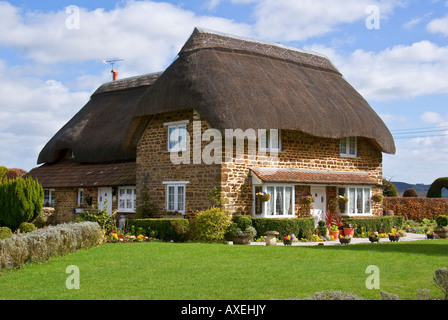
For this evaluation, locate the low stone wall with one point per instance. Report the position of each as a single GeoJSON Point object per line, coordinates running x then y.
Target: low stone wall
{"type": "Point", "coordinates": [416, 208]}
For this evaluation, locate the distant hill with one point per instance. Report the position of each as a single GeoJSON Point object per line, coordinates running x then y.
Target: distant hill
{"type": "Point", "coordinates": [421, 189]}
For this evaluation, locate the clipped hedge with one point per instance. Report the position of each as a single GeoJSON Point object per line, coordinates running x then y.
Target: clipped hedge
{"type": "Point", "coordinates": [417, 208]}
{"type": "Point", "coordinates": [382, 224]}
{"type": "Point", "coordinates": [297, 226]}
{"type": "Point", "coordinates": [166, 229]}
{"type": "Point", "coordinates": [43, 244]}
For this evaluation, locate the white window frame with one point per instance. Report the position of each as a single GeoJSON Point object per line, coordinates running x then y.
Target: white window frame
{"type": "Point", "coordinates": [264, 213]}
{"type": "Point", "coordinates": [353, 201]}
{"type": "Point", "coordinates": [125, 197]}
{"type": "Point", "coordinates": [269, 138]}
{"type": "Point", "coordinates": [181, 126]}
{"type": "Point", "coordinates": [80, 197]}
{"type": "Point", "coordinates": [176, 185]}
{"type": "Point", "coordinates": [51, 193]}
{"type": "Point", "coordinates": [347, 141]}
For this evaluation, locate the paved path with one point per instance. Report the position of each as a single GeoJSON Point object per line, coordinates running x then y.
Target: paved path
{"type": "Point", "coordinates": [409, 237]}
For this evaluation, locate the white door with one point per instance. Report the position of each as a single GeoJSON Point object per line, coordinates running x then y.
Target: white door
{"type": "Point", "coordinates": [105, 199]}
{"type": "Point", "coordinates": [320, 203]}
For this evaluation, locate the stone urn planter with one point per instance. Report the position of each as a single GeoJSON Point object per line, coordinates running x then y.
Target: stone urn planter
{"type": "Point", "coordinates": [441, 233]}
{"type": "Point", "coordinates": [241, 239]}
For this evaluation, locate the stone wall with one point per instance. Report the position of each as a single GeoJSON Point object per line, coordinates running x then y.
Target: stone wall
{"type": "Point", "coordinates": [299, 150]}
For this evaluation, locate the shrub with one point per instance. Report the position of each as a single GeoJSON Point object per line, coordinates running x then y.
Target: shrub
{"type": "Point", "coordinates": [440, 279]}
{"type": "Point", "coordinates": [147, 209]}
{"type": "Point", "coordinates": [5, 232]}
{"type": "Point", "coordinates": [381, 224]}
{"type": "Point", "coordinates": [242, 221]}
{"type": "Point", "coordinates": [334, 295]}
{"type": "Point", "coordinates": [417, 209]}
{"type": "Point", "coordinates": [435, 190]}
{"type": "Point", "coordinates": [410, 193]}
{"type": "Point", "coordinates": [104, 219]}
{"type": "Point", "coordinates": [321, 228]}
{"type": "Point", "coordinates": [164, 229]}
{"type": "Point", "coordinates": [42, 244]}
{"type": "Point", "coordinates": [389, 190]}
{"type": "Point", "coordinates": [20, 201]}
{"type": "Point", "coordinates": [211, 225]}
{"type": "Point", "coordinates": [300, 227]}
{"type": "Point", "coordinates": [26, 227]}
{"type": "Point", "coordinates": [442, 221]}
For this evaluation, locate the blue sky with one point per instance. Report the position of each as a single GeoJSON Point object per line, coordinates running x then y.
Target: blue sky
{"type": "Point", "coordinates": [49, 66]}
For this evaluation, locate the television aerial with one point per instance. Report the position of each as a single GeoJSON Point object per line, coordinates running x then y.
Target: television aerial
{"type": "Point", "coordinates": [112, 63]}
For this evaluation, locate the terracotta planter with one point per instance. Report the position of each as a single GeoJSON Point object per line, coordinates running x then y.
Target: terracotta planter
{"type": "Point", "coordinates": [335, 234]}
{"type": "Point", "coordinates": [349, 232]}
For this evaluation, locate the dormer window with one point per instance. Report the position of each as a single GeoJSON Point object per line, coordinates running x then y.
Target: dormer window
{"type": "Point", "coordinates": [270, 141]}
{"type": "Point", "coordinates": [177, 135]}
{"type": "Point", "coordinates": [348, 147]}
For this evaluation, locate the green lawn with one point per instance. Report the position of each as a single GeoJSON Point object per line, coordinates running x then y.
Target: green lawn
{"type": "Point", "coordinates": [199, 271]}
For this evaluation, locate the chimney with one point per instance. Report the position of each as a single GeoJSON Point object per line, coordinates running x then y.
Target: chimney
{"type": "Point", "coordinates": [114, 74]}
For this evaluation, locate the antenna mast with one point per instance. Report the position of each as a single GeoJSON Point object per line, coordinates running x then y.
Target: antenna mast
{"type": "Point", "coordinates": [112, 63]}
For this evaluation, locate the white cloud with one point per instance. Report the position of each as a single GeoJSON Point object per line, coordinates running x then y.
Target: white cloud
{"type": "Point", "coordinates": [299, 20]}
{"type": "Point", "coordinates": [438, 25]}
{"type": "Point", "coordinates": [399, 72]}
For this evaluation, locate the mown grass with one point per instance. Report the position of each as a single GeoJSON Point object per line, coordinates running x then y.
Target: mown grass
{"type": "Point", "coordinates": [201, 271]}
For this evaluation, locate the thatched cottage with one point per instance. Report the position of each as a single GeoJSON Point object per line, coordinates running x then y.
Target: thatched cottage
{"type": "Point", "coordinates": [229, 116]}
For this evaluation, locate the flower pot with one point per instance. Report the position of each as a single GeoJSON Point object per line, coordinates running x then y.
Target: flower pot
{"type": "Point", "coordinates": [242, 239]}
{"type": "Point", "coordinates": [287, 242]}
{"type": "Point", "coordinates": [349, 232]}
{"type": "Point", "coordinates": [334, 234]}
{"type": "Point", "coordinates": [264, 198]}
{"type": "Point", "coordinates": [430, 236]}
{"type": "Point", "coordinates": [394, 238]}
{"type": "Point", "coordinates": [374, 239]}
{"type": "Point", "coordinates": [441, 232]}
{"type": "Point", "coordinates": [345, 240]}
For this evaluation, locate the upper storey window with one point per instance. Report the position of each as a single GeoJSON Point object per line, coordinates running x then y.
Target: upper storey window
{"type": "Point", "coordinates": [348, 147]}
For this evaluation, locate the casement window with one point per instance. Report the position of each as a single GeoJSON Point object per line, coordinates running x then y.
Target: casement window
{"type": "Point", "coordinates": [175, 196]}
{"type": "Point", "coordinates": [127, 199]}
{"type": "Point", "coordinates": [49, 198]}
{"type": "Point", "coordinates": [270, 141]}
{"type": "Point", "coordinates": [177, 135]}
{"type": "Point", "coordinates": [80, 197]}
{"type": "Point", "coordinates": [281, 203]}
{"type": "Point", "coordinates": [348, 147]}
{"type": "Point", "coordinates": [359, 200]}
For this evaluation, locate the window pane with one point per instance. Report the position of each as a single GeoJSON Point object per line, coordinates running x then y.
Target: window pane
{"type": "Point", "coordinates": [258, 203]}
{"type": "Point", "coordinates": [288, 201]}
{"type": "Point", "coordinates": [172, 138]}
{"type": "Point", "coordinates": [343, 146]}
{"type": "Point", "coordinates": [359, 200]}
{"type": "Point", "coordinates": [182, 137]}
{"type": "Point", "coordinates": [352, 142]}
{"type": "Point", "coordinates": [264, 144]}
{"type": "Point", "coordinates": [279, 201]}
{"type": "Point", "coordinates": [180, 198]}
{"type": "Point", "coordinates": [270, 204]}
{"type": "Point", "coordinates": [352, 199]}
{"type": "Point", "coordinates": [171, 198]}
{"type": "Point", "coordinates": [274, 139]}
{"type": "Point", "coordinates": [366, 200]}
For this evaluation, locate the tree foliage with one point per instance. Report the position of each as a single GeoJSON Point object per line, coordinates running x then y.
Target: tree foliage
{"type": "Point", "coordinates": [20, 201]}
{"type": "Point", "coordinates": [389, 190]}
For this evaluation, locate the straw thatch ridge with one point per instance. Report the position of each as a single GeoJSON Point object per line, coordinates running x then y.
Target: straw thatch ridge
{"type": "Point", "coordinates": [237, 83]}
{"type": "Point", "coordinates": [96, 133]}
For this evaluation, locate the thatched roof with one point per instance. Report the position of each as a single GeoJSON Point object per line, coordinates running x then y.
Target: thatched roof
{"type": "Point", "coordinates": [96, 132]}
{"type": "Point", "coordinates": [240, 83]}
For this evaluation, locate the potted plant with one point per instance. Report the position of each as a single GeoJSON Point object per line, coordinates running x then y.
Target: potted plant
{"type": "Point", "coordinates": [263, 196]}
{"type": "Point", "coordinates": [374, 237]}
{"type": "Point", "coordinates": [429, 233]}
{"type": "Point", "coordinates": [334, 231]}
{"type": "Point", "coordinates": [349, 229]}
{"type": "Point", "coordinates": [345, 239]}
{"type": "Point", "coordinates": [287, 240]}
{"type": "Point", "coordinates": [377, 197]}
{"type": "Point", "coordinates": [342, 199]}
{"type": "Point", "coordinates": [394, 236]}
{"type": "Point", "coordinates": [306, 199]}
{"type": "Point", "coordinates": [241, 230]}
{"type": "Point", "coordinates": [441, 230]}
